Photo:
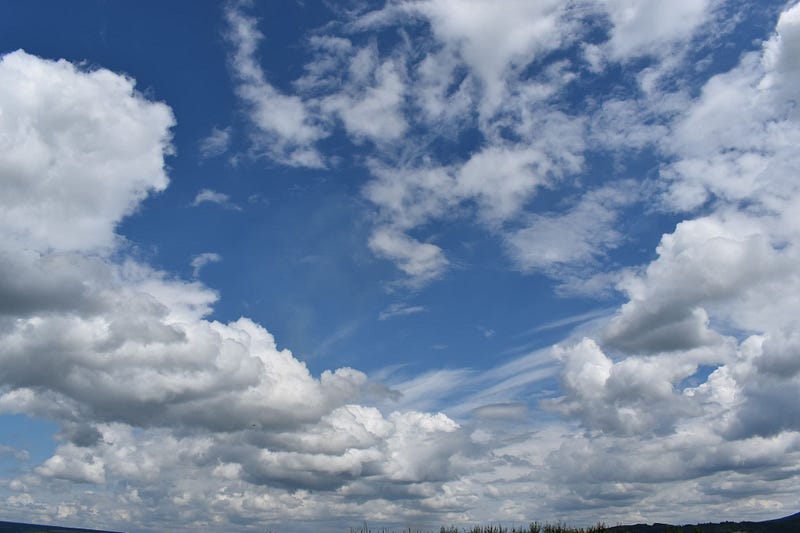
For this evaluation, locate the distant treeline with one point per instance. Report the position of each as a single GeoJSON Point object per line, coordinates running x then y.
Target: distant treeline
{"type": "Point", "coordinates": [789, 524]}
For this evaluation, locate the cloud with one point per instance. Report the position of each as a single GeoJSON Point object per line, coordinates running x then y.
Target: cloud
{"type": "Point", "coordinates": [147, 387]}
{"type": "Point", "coordinates": [19, 455]}
{"type": "Point", "coordinates": [400, 309]}
{"type": "Point", "coordinates": [634, 396]}
{"type": "Point", "coordinates": [501, 180]}
{"type": "Point", "coordinates": [494, 42]}
{"type": "Point", "coordinates": [408, 197]}
{"type": "Point", "coordinates": [567, 321]}
{"type": "Point", "coordinates": [650, 29]}
{"type": "Point", "coordinates": [715, 297]}
{"type": "Point", "coordinates": [286, 130]}
{"type": "Point", "coordinates": [216, 144]}
{"type": "Point", "coordinates": [213, 197]}
{"type": "Point", "coordinates": [382, 96]}
{"type": "Point", "coordinates": [56, 193]}
{"type": "Point", "coordinates": [201, 260]}
{"type": "Point", "coordinates": [579, 236]}
{"type": "Point", "coordinates": [746, 155]}
{"type": "Point", "coordinates": [375, 113]}
{"type": "Point", "coordinates": [681, 404]}
{"type": "Point", "coordinates": [420, 261]}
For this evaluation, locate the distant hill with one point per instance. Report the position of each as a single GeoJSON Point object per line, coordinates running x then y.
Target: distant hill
{"type": "Point", "coordinates": [789, 524]}
{"type": "Point", "coordinates": [16, 527]}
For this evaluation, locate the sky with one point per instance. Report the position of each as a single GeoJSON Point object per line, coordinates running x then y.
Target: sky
{"type": "Point", "coordinates": [300, 266]}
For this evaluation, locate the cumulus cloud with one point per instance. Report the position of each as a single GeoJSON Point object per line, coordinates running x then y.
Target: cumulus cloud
{"type": "Point", "coordinates": [746, 155]}
{"type": "Point", "coordinates": [214, 197]}
{"type": "Point", "coordinates": [201, 260]}
{"type": "Point", "coordinates": [286, 130]}
{"type": "Point", "coordinates": [216, 143]}
{"type": "Point", "coordinates": [147, 387]}
{"type": "Point", "coordinates": [641, 29]}
{"type": "Point", "coordinates": [493, 42]}
{"type": "Point", "coordinates": [420, 261]}
{"type": "Point", "coordinates": [572, 239]}
{"type": "Point", "coordinates": [55, 192]}
{"type": "Point", "coordinates": [716, 296]}
{"type": "Point", "coordinates": [688, 392]}
{"type": "Point", "coordinates": [457, 77]}
{"type": "Point", "coordinates": [375, 113]}
{"type": "Point", "coordinates": [691, 381]}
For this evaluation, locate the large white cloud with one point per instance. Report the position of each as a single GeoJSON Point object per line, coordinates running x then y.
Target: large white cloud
{"type": "Point", "coordinates": [143, 386]}
{"type": "Point", "coordinates": [682, 405]}
{"type": "Point", "coordinates": [55, 190]}
{"type": "Point", "coordinates": [130, 343]}
{"type": "Point", "coordinates": [719, 295]}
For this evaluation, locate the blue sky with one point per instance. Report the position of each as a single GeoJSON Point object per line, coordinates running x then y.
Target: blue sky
{"type": "Point", "coordinates": [299, 265]}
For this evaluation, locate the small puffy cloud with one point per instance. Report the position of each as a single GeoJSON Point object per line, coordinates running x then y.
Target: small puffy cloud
{"type": "Point", "coordinates": [494, 41]}
{"type": "Point", "coordinates": [408, 197]}
{"type": "Point", "coordinates": [214, 197]}
{"type": "Point", "coordinates": [375, 113]}
{"type": "Point", "coordinates": [501, 180]}
{"type": "Point", "coordinates": [201, 260]}
{"type": "Point", "coordinates": [577, 237]}
{"type": "Point", "coordinates": [422, 262]}
{"type": "Point", "coordinates": [216, 143]}
{"type": "Point", "coordinates": [286, 130]}
{"type": "Point", "coordinates": [650, 28]}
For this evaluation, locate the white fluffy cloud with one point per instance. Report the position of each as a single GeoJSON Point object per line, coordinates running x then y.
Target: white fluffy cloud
{"type": "Point", "coordinates": [201, 260]}
{"type": "Point", "coordinates": [687, 393]}
{"type": "Point", "coordinates": [211, 196]}
{"type": "Point", "coordinates": [719, 295]}
{"type": "Point", "coordinates": [747, 154]}
{"type": "Point", "coordinates": [373, 112]}
{"type": "Point", "coordinates": [54, 191]}
{"type": "Point", "coordinates": [643, 28]}
{"type": "Point", "coordinates": [216, 143]}
{"type": "Point", "coordinates": [494, 42]}
{"type": "Point", "coordinates": [575, 238]}
{"type": "Point", "coordinates": [421, 261]}
{"type": "Point", "coordinates": [123, 358]}
{"type": "Point", "coordinates": [286, 131]}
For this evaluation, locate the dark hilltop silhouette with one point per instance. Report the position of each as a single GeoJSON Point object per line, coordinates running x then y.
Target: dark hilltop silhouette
{"type": "Point", "coordinates": [788, 524]}
{"type": "Point", "coordinates": [16, 527]}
